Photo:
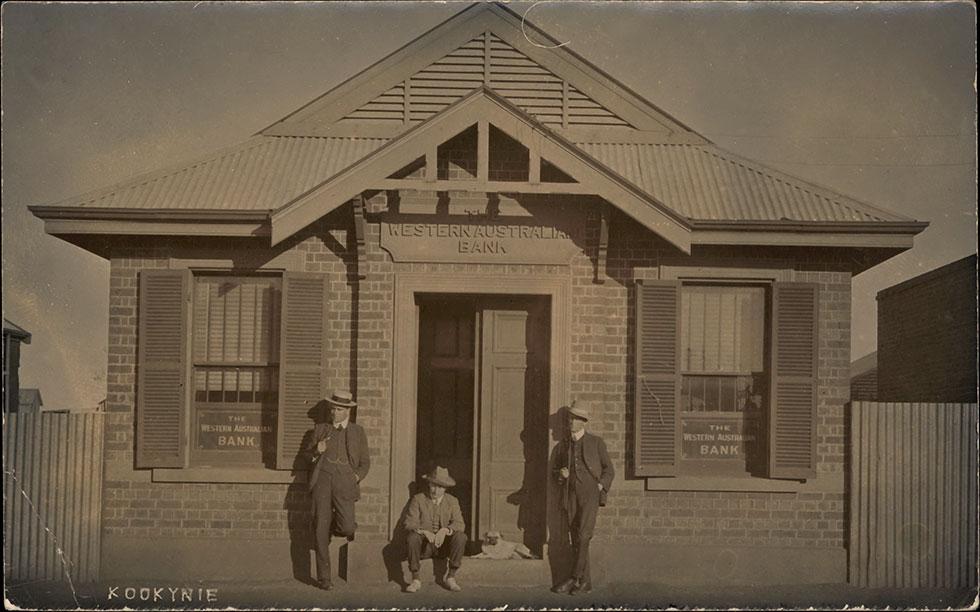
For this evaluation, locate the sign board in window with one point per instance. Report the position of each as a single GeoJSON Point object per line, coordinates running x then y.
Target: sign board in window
{"type": "Point", "coordinates": [225, 430]}
{"type": "Point", "coordinates": [717, 438]}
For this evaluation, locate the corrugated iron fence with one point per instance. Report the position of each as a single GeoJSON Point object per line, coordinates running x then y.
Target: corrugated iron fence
{"type": "Point", "coordinates": [52, 496]}
{"type": "Point", "coordinates": [913, 495]}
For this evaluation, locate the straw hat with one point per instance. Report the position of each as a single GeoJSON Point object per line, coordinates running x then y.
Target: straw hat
{"type": "Point", "coordinates": [342, 398]}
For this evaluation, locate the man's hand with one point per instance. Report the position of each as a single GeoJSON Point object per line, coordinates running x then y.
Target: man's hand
{"type": "Point", "coordinates": [564, 472]}
{"type": "Point", "coordinates": [431, 537]}
{"type": "Point", "coordinates": [321, 446]}
{"type": "Point", "coordinates": [601, 487]}
{"type": "Point", "coordinates": [440, 537]}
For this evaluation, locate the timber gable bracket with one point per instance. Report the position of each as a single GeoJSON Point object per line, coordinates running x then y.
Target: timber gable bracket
{"type": "Point", "coordinates": [483, 108]}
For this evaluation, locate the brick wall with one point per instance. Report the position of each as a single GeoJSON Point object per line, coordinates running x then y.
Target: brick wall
{"type": "Point", "coordinates": [927, 337]}
{"type": "Point", "coordinates": [136, 507]}
{"type": "Point", "coordinates": [601, 370]}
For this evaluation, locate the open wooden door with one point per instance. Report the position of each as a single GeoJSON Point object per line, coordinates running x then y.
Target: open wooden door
{"type": "Point", "coordinates": [512, 427]}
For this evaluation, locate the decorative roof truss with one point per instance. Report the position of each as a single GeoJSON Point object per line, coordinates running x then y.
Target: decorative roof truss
{"type": "Point", "coordinates": [553, 166]}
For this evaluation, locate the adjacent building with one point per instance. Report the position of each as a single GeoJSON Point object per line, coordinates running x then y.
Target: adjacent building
{"type": "Point", "coordinates": [927, 336]}
{"type": "Point", "coordinates": [13, 337]}
{"type": "Point", "coordinates": [864, 378]}
{"type": "Point", "coordinates": [29, 401]}
{"type": "Point", "coordinates": [469, 235]}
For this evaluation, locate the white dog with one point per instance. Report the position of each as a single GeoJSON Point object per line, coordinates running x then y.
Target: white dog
{"type": "Point", "coordinates": [495, 547]}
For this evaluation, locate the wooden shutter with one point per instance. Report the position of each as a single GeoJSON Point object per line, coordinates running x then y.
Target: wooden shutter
{"type": "Point", "coordinates": [301, 361]}
{"type": "Point", "coordinates": [656, 393]}
{"type": "Point", "coordinates": [792, 413]}
{"type": "Point", "coordinates": [161, 390]}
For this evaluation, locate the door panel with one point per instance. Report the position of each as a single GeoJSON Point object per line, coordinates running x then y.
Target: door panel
{"type": "Point", "coordinates": [446, 395]}
{"type": "Point", "coordinates": [513, 420]}
{"type": "Point", "coordinates": [503, 376]}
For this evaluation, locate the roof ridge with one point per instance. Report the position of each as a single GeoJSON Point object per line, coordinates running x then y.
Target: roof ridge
{"type": "Point", "coordinates": [811, 186]}
{"type": "Point", "coordinates": [154, 175]}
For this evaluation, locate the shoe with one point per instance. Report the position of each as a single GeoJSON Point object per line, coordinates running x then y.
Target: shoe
{"type": "Point", "coordinates": [451, 584]}
{"type": "Point", "coordinates": [565, 587]}
{"type": "Point", "coordinates": [581, 587]}
{"type": "Point", "coordinates": [325, 586]}
{"type": "Point", "coordinates": [414, 586]}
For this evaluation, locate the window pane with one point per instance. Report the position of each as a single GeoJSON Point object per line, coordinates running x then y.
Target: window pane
{"type": "Point", "coordinates": [701, 393]}
{"type": "Point", "coordinates": [722, 329]}
{"type": "Point", "coordinates": [726, 399]}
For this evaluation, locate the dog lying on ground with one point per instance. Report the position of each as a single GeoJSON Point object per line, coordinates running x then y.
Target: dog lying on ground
{"type": "Point", "coordinates": [495, 547]}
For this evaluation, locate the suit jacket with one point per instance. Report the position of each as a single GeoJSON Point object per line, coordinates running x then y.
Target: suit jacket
{"type": "Point", "coordinates": [358, 454]}
{"type": "Point", "coordinates": [423, 513]}
{"type": "Point", "coordinates": [596, 459]}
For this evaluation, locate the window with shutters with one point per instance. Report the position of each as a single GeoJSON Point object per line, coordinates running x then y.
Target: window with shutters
{"type": "Point", "coordinates": [235, 370]}
{"type": "Point", "coordinates": [726, 378]}
{"type": "Point", "coordinates": [724, 373]}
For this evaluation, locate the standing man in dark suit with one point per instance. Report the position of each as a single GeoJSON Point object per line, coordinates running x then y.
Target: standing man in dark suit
{"type": "Point", "coordinates": [341, 459]}
{"type": "Point", "coordinates": [585, 473]}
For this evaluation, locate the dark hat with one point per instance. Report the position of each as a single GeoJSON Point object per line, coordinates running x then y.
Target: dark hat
{"type": "Point", "coordinates": [342, 398]}
{"type": "Point", "coordinates": [440, 476]}
{"type": "Point", "coordinates": [580, 409]}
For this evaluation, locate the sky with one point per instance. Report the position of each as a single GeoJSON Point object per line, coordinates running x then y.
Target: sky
{"type": "Point", "coordinates": [873, 100]}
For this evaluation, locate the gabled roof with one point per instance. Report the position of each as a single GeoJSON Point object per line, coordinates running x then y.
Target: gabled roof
{"type": "Point", "coordinates": [653, 167]}
{"type": "Point", "coordinates": [480, 105]}
{"type": "Point", "coordinates": [498, 25]}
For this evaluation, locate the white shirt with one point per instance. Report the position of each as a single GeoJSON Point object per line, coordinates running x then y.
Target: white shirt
{"type": "Point", "coordinates": [577, 435]}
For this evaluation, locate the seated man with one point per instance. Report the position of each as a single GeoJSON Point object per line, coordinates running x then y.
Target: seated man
{"type": "Point", "coordinates": [435, 528]}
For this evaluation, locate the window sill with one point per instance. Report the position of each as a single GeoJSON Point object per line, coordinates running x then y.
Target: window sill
{"type": "Point", "coordinates": [825, 483]}
{"type": "Point", "coordinates": [229, 475]}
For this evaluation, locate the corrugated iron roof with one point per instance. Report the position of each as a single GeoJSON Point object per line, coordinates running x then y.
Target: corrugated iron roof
{"type": "Point", "coordinates": [703, 182]}
{"type": "Point", "coordinates": [700, 182]}
{"type": "Point", "coordinates": [263, 173]}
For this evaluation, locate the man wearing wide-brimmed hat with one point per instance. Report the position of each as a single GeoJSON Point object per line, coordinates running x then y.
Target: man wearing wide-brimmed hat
{"type": "Point", "coordinates": [341, 459]}
{"type": "Point", "coordinates": [435, 527]}
{"type": "Point", "coordinates": [585, 472]}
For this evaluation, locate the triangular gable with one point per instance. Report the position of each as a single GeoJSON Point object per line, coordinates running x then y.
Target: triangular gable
{"type": "Point", "coordinates": [486, 61]}
{"type": "Point", "coordinates": [483, 45]}
{"type": "Point", "coordinates": [481, 105]}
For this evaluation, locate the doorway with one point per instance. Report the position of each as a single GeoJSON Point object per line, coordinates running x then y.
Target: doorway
{"type": "Point", "coordinates": [482, 407]}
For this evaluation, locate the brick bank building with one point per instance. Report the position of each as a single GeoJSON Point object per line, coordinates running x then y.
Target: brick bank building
{"type": "Point", "coordinates": [470, 234]}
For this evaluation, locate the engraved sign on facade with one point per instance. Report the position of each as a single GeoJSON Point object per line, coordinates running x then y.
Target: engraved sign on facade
{"type": "Point", "coordinates": [548, 238]}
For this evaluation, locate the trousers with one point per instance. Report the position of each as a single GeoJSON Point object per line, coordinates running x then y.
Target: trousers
{"type": "Point", "coordinates": [420, 548]}
{"type": "Point", "coordinates": [583, 506]}
{"type": "Point", "coordinates": [333, 512]}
